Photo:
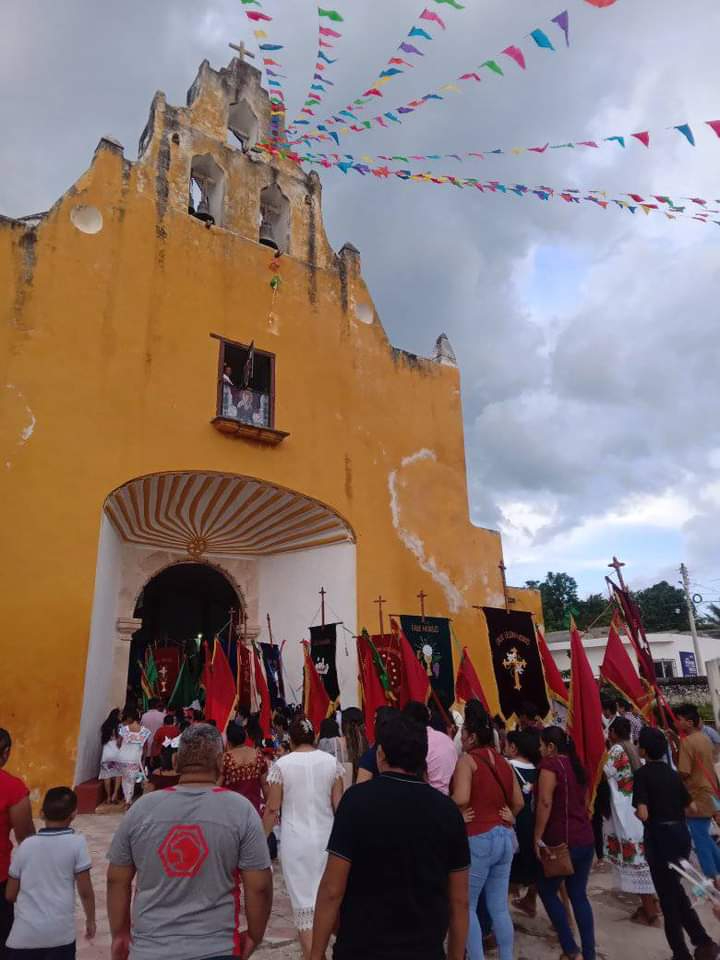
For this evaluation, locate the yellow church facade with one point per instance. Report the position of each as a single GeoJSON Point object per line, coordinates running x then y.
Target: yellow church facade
{"type": "Point", "coordinates": [177, 395]}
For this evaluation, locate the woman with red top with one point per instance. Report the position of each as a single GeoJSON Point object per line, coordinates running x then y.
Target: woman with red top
{"type": "Point", "coordinates": [15, 815]}
{"type": "Point", "coordinates": [487, 791]}
{"type": "Point", "coordinates": [244, 768]}
{"type": "Point", "coordinates": [562, 817]}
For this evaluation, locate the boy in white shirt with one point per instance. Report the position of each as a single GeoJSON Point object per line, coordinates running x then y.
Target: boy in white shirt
{"type": "Point", "coordinates": [43, 874]}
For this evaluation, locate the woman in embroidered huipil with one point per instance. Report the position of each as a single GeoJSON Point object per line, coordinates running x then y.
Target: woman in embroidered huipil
{"type": "Point", "coordinates": [624, 846]}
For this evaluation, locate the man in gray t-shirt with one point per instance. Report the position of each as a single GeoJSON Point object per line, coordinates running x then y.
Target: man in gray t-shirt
{"type": "Point", "coordinates": [193, 847]}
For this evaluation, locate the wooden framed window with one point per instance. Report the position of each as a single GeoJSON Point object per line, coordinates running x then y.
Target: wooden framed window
{"type": "Point", "coordinates": [245, 403]}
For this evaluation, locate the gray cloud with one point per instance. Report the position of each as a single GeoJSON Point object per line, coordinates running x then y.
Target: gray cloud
{"type": "Point", "coordinates": [587, 339]}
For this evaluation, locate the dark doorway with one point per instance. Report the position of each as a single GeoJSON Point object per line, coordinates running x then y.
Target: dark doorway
{"type": "Point", "coordinates": [181, 607]}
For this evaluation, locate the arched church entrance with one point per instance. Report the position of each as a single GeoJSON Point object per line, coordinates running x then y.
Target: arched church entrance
{"type": "Point", "coordinates": [177, 551]}
{"type": "Point", "coordinates": [179, 608]}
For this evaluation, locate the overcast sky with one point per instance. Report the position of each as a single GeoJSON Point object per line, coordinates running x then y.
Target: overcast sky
{"type": "Point", "coordinates": [587, 340]}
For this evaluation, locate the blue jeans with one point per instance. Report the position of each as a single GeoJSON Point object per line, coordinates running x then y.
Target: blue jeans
{"type": "Point", "coordinates": [491, 858]}
{"type": "Point", "coordinates": [705, 847]}
{"type": "Point", "coordinates": [576, 886]}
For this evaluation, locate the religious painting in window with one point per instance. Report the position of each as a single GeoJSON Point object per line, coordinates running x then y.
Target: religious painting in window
{"type": "Point", "coordinates": [246, 391]}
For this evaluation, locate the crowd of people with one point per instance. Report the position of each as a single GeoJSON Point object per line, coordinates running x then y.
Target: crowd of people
{"type": "Point", "coordinates": [418, 845]}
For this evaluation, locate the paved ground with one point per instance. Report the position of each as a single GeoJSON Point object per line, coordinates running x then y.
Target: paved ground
{"type": "Point", "coordinates": [617, 937]}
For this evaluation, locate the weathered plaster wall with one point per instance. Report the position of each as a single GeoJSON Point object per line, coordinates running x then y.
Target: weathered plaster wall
{"type": "Point", "coordinates": [288, 587]}
{"type": "Point", "coordinates": [107, 348]}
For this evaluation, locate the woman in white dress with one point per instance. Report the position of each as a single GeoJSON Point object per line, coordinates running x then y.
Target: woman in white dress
{"type": "Point", "coordinates": [305, 788]}
{"type": "Point", "coordinates": [109, 769]}
{"type": "Point", "coordinates": [624, 843]}
{"type": "Point", "coordinates": [133, 736]}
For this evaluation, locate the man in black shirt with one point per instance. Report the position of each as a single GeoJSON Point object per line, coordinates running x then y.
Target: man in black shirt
{"type": "Point", "coordinates": [398, 863]}
{"type": "Point", "coordinates": [660, 799]}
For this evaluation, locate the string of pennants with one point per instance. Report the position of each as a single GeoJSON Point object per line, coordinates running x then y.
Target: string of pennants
{"type": "Point", "coordinates": [570, 195]}
{"type": "Point", "coordinates": [335, 159]}
{"type": "Point", "coordinates": [320, 80]}
{"type": "Point", "coordinates": [269, 51]}
{"type": "Point", "coordinates": [398, 65]}
{"type": "Point", "coordinates": [395, 66]}
{"type": "Point", "coordinates": [492, 67]}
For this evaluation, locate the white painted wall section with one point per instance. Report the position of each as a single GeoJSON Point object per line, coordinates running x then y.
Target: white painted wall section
{"type": "Point", "coordinates": [288, 589]}
{"type": "Point", "coordinates": [99, 669]}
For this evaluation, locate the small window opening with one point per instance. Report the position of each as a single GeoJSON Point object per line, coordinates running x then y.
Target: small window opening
{"type": "Point", "coordinates": [246, 385]}
{"type": "Point", "coordinates": [274, 219]}
{"type": "Point", "coordinates": [207, 190]}
{"type": "Point", "coordinates": [665, 669]}
{"type": "Point", "coordinates": [243, 126]}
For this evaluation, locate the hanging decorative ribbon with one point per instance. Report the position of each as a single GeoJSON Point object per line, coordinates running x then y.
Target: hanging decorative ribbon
{"type": "Point", "coordinates": [491, 67]}
{"type": "Point", "coordinates": [620, 141]}
{"type": "Point", "coordinates": [272, 66]}
{"type": "Point", "coordinates": [320, 80]}
{"type": "Point", "coordinates": [398, 64]}
{"type": "Point", "coordinates": [569, 195]}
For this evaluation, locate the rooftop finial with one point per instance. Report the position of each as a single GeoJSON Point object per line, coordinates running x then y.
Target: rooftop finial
{"type": "Point", "coordinates": [444, 353]}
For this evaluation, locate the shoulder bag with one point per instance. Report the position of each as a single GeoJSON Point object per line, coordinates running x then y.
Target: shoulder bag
{"type": "Point", "coordinates": [556, 861]}
{"type": "Point", "coordinates": [493, 771]}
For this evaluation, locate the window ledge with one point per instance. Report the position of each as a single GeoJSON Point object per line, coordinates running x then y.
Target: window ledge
{"type": "Point", "coordinates": [234, 428]}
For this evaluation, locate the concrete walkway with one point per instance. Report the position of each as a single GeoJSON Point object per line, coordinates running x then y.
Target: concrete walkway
{"type": "Point", "coordinates": [617, 936]}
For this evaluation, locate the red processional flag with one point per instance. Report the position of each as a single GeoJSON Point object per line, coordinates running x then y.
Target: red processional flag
{"type": "Point", "coordinates": [619, 671]}
{"type": "Point", "coordinates": [556, 686]}
{"type": "Point", "coordinates": [467, 683]}
{"type": "Point", "coordinates": [415, 681]}
{"type": "Point", "coordinates": [636, 631]}
{"type": "Point", "coordinates": [373, 692]}
{"type": "Point", "coordinates": [585, 717]}
{"type": "Point", "coordinates": [264, 694]}
{"type": "Point", "coordinates": [220, 689]}
{"type": "Point", "coordinates": [316, 701]}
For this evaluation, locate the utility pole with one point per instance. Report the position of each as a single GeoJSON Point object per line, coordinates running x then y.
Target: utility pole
{"type": "Point", "coordinates": [691, 617]}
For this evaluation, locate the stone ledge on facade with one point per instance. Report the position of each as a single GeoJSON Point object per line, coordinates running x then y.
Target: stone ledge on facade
{"type": "Point", "coordinates": [233, 428]}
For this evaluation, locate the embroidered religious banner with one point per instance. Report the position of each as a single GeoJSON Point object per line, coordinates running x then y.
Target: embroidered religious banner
{"type": "Point", "coordinates": [273, 672]}
{"type": "Point", "coordinates": [388, 649]}
{"type": "Point", "coordinates": [430, 639]}
{"type": "Point", "coordinates": [245, 676]}
{"type": "Point", "coordinates": [516, 661]}
{"type": "Point", "coordinates": [323, 641]}
{"type": "Point", "coordinates": [167, 663]}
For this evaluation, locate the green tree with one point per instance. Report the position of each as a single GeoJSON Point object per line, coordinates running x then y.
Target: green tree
{"type": "Point", "coordinates": [711, 617]}
{"type": "Point", "coordinates": [595, 610]}
{"type": "Point", "coordinates": [663, 608]}
{"type": "Point", "coordinates": [559, 598]}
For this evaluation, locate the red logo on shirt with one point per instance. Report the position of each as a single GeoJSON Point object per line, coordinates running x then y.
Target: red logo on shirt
{"type": "Point", "coordinates": [183, 851]}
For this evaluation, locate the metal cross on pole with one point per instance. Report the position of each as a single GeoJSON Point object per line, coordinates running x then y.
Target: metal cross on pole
{"type": "Point", "coordinates": [323, 594]}
{"type": "Point", "coordinates": [242, 51]}
{"type": "Point", "coordinates": [381, 602]}
{"type": "Point", "coordinates": [422, 597]}
{"type": "Point", "coordinates": [617, 566]}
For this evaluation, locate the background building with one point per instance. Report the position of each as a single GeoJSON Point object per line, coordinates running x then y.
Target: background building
{"type": "Point", "coordinates": [672, 652]}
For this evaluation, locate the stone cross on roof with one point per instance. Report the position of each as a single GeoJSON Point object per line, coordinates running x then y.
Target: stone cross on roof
{"type": "Point", "coordinates": [242, 51]}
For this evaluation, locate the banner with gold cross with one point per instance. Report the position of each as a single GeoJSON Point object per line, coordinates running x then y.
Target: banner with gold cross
{"type": "Point", "coordinates": [516, 661]}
